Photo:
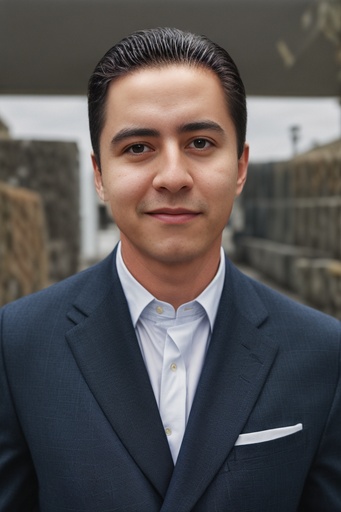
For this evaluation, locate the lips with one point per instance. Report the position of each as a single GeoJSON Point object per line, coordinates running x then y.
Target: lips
{"type": "Point", "coordinates": [173, 215]}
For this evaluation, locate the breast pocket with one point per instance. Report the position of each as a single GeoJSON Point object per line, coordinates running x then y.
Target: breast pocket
{"type": "Point", "coordinates": [268, 454]}
{"type": "Point", "coordinates": [258, 476]}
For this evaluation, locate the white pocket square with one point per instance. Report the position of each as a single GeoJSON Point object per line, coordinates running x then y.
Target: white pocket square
{"type": "Point", "coordinates": [267, 435]}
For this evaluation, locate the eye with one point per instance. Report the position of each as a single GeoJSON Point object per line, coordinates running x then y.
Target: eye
{"type": "Point", "coordinates": [138, 149]}
{"type": "Point", "coordinates": [200, 143]}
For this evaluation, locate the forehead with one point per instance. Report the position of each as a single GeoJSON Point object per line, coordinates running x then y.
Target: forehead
{"type": "Point", "coordinates": [175, 89]}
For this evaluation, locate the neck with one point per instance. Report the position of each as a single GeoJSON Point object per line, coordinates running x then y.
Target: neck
{"type": "Point", "coordinates": [175, 284]}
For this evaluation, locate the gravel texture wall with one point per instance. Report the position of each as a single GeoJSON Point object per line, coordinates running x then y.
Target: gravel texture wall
{"type": "Point", "coordinates": [23, 250]}
{"type": "Point", "coordinates": [52, 170]}
{"type": "Point", "coordinates": [292, 231]}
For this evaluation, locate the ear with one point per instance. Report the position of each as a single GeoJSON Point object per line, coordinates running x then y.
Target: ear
{"type": "Point", "coordinates": [242, 169]}
{"type": "Point", "coordinates": [99, 185]}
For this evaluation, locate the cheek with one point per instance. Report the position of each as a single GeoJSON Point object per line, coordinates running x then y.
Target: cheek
{"type": "Point", "coordinates": [221, 186]}
{"type": "Point", "coordinates": [124, 190]}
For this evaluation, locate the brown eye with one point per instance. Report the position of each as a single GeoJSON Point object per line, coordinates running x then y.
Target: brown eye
{"type": "Point", "coordinates": [200, 144]}
{"type": "Point", "coordinates": [137, 149]}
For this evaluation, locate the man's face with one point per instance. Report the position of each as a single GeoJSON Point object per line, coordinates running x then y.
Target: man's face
{"type": "Point", "coordinates": [169, 164]}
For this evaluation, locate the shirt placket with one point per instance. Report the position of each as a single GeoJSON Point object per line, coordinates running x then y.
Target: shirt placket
{"type": "Point", "coordinates": [173, 395]}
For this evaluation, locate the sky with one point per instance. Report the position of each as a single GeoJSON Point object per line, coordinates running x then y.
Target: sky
{"type": "Point", "coordinates": [65, 118]}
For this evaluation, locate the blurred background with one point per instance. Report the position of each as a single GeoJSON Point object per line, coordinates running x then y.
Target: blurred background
{"type": "Point", "coordinates": [286, 228]}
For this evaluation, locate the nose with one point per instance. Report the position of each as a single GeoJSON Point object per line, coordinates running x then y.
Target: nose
{"type": "Point", "coordinates": [173, 173]}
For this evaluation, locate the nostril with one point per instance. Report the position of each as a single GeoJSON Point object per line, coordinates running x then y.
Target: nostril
{"type": "Point", "coordinates": [173, 180]}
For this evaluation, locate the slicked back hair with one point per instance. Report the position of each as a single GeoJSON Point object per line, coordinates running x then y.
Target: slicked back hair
{"type": "Point", "coordinates": [157, 48]}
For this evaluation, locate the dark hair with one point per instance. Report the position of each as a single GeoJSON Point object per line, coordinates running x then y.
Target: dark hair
{"type": "Point", "coordinates": [160, 47]}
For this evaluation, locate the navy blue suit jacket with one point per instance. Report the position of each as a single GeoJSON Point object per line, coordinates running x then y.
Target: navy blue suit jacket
{"type": "Point", "coordinates": [80, 429]}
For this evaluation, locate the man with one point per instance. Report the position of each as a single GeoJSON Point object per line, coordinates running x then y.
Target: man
{"type": "Point", "coordinates": [163, 379]}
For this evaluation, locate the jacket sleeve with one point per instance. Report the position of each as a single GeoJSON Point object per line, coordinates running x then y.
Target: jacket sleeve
{"type": "Point", "coordinates": [323, 486]}
{"type": "Point", "coordinates": [18, 485]}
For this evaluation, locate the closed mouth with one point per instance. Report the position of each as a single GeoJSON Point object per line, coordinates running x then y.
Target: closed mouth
{"type": "Point", "coordinates": [173, 215]}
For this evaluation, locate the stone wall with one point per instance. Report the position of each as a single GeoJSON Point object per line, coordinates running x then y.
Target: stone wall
{"type": "Point", "coordinates": [23, 255]}
{"type": "Point", "coordinates": [4, 130]}
{"type": "Point", "coordinates": [52, 170]}
{"type": "Point", "coordinates": [292, 229]}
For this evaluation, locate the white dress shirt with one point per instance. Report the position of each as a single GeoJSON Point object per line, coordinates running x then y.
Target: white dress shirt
{"type": "Point", "coordinates": [173, 345]}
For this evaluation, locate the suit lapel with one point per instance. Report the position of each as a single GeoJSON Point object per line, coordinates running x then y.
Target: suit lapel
{"type": "Point", "coordinates": [105, 347]}
{"type": "Point", "coordinates": [238, 361]}
{"type": "Point", "coordinates": [236, 367]}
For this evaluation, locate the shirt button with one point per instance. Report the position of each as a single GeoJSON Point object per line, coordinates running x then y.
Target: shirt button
{"type": "Point", "coordinates": [159, 310]}
{"type": "Point", "coordinates": [168, 431]}
{"type": "Point", "coordinates": [173, 367]}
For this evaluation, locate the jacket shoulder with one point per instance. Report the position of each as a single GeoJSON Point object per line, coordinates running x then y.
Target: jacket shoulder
{"type": "Point", "coordinates": [60, 296]}
{"type": "Point", "coordinates": [284, 315]}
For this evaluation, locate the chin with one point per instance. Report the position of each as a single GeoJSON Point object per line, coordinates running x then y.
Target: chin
{"type": "Point", "coordinates": [173, 255]}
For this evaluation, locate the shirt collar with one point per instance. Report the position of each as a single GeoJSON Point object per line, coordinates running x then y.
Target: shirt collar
{"type": "Point", "coordinates": [210, 296]}
{"type": "Point", "coordinates": [138, 297]}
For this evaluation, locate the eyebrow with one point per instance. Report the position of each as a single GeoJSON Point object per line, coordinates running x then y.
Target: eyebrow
{"type": "Point", "coordinates": [200, 125]}
{"type": "Point", "coordinates": [127, 133]}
